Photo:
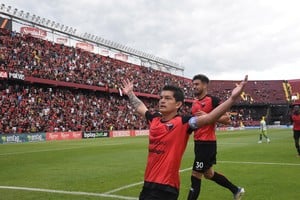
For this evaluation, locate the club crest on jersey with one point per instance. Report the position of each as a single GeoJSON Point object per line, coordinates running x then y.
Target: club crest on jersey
{"type": "Point", "coordinates": [169, 126]}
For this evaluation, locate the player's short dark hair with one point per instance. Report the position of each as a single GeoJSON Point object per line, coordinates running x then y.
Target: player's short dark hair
{"type": "Point", "coordinates": [177, 92]}
{"type": "Point", "coordinates": [202, 78]}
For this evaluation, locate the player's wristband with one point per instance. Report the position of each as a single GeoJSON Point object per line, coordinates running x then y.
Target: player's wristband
{"type": "Point", "coordinates": [193, 123]}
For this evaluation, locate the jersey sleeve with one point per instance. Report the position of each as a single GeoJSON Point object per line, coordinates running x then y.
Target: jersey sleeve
{"type": "Point", "coordinates": [215, 101]}
{"type": "Point", "coordinates": [150, 116]}
{"type": "Point", "coordinates": [185, 119]}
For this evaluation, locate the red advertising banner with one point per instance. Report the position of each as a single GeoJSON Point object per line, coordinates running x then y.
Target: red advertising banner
{"type": "Point", "coordinates": [104, 52]}
{"type": "Point", "coordinates": [35, 32]}
{"type": "Point", "coordinates": [141, 132]}
{"type": "Point", "coordinates": [63, 135]}
{"type": "Point", "coordinates": [121, 133]}
{"type": "Point", "coordinates": [62, 40]}
{"type": "Point", "coordinates": [85, 46]}
{"type": "Point", "coordinates": [121, 56]}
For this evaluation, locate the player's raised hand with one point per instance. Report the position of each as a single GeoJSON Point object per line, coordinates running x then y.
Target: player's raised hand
{"type": "Point", "coordinates": [127, 86]}
{"type": "Point", "coordinates": [237, 91]}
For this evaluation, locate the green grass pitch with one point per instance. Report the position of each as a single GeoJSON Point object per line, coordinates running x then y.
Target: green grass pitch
{"type": "Point", "coordinates": [113, 168]}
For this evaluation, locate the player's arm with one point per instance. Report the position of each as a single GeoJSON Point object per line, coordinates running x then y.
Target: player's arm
{"type": "Point", "coordinates": [224, 119]}
{"type": "Point", "coordinates": [215, 114]}
{"type": "Point", "coordinates": [137, 104]}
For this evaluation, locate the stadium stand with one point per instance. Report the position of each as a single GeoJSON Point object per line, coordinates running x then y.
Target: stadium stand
{"type": "Point", "coordinates": [294, 88]}
{"type": "Point", "coordinates": [66, 88]}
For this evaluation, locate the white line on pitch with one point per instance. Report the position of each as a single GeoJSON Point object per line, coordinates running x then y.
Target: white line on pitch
{"type": "Point", "coordinates": [135, 184]}
{"type": "Point", "coordinates": [124, 187]}
{"type": "Point", "coordinates": [187, 169]}
{"type": "Point", "coordinates": [68, 192]}
{"type": "Point", "coordinates": [261, 163]}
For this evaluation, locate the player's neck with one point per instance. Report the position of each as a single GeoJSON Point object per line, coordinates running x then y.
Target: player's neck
{"type": "Point", "coordinates": [168, 116]}
{"type": "Point", "coordinates": [202, 95]}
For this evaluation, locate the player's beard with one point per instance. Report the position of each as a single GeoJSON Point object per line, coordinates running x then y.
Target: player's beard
{"type": "Point", "coordinates": [198, 93]}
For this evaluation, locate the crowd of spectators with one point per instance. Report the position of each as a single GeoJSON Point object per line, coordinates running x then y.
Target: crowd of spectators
{"type": "Point", "coordinates": [33, 108]}
{"type": "Point", "coordinates": [44, 59]}
{"type": "Point", "coordinates": [48, 60]}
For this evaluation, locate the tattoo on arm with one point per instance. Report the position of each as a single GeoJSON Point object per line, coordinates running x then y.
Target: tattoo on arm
{"type": "Point", "coordinates": [136, 102]}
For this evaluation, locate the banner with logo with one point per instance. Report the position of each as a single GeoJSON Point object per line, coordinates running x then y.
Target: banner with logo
{"type": "Point", "coordinates": [63, 135]}
{"type": "Point", "coordinates": [124, 133]}
{"type": "Point", "coordinates": [22, 137]}
{"type": "Point", "coordinates": [35, 32]}
{"type": "Point", "coordinates": [141, 132]}
{"type": "Point", "coordinates": [95, 134]}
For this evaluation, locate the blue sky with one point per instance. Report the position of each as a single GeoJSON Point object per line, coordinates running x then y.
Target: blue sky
{"type": "Point", "coordinates": [224, 39]}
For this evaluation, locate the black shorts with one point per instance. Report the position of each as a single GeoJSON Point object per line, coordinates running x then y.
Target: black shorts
{"type": "Point", "coordinates": [156, 194]}
{"type": "Point", "coordinates": [205, 155]}
{"type": "Point", "coordinates": [296, 134]}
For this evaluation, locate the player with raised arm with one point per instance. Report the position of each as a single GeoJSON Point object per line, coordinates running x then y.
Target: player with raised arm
{"type": "Point", "coordinates": [168, 136]}
{"type": "Point", "coordinates": [205, 142]}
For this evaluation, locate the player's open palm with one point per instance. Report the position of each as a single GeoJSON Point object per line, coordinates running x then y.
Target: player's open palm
{"type": "Point", "coordinates": [127, 86]}
{"type": "Point", "coordinates": [236, 92]}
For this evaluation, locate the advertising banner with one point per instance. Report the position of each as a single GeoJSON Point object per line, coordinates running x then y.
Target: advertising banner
{"type": "Point", "coordinates": [16, 76]}
{"type": "Point", "coordinates": [95, 134]}
{"type": "Point", "coordinates": [125, 133]}
{"type": "Point", "coordinates": [24, 137]}
{"type": "Point", "coordinates": [141, 132]}
{"type": "Point", "coordinates": [35, 32]}
{"type": "Point", "coordinates": [85, 46]}
{"type": "Point", "coordinates": [63, 135]}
